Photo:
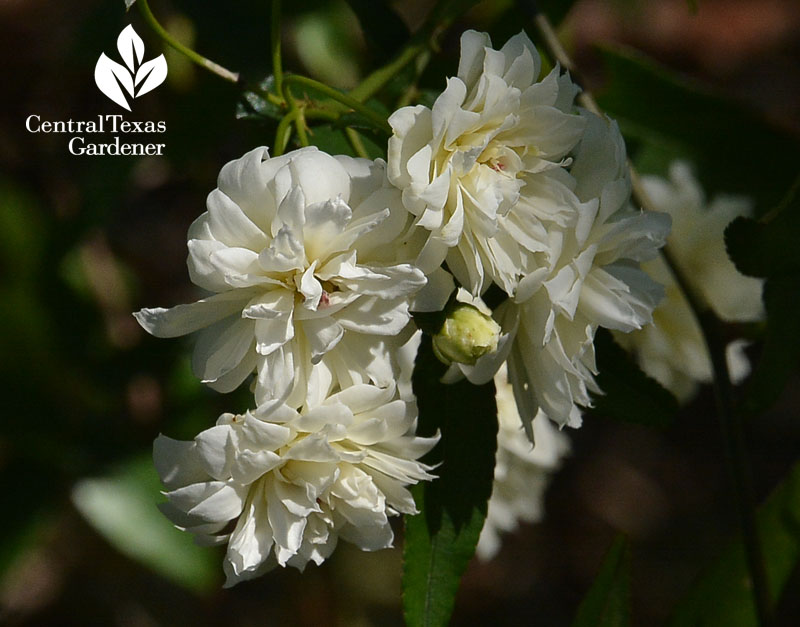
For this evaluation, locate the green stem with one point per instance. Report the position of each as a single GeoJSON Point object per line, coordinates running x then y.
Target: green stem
{"type": "Point", "coordinates": [373, 83]}
{"type": "Point", "coordinates": [300, 125]}
{"type": "Point", "coordinates": [200, 60]}
{"type": "Point", "coordinates": [376, 118]}
{"type": "Point", "coordinates": [731, 424]}
{"type": "Point", "coordinates": [355, 142]}
{"type": "Point", "coordinates": [427, 38]}
{"type": "Point", "coordinates": [283, 133]}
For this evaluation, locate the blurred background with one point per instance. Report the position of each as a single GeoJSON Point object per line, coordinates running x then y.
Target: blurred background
{"type": "Point", "coordinates": [84, 241]}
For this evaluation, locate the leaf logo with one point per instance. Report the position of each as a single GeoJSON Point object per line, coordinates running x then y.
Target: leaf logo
{"type": "Point", "coordinates": [116, 80]}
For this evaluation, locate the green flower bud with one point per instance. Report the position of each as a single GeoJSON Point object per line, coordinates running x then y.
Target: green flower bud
{"type": "Point", "coordinates": [466, 335]}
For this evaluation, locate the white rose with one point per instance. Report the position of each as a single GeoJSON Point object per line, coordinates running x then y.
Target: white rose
{"type": "Point", "coordinates": [302, 253]}
{"type": "Point", "coordinates": [462, 164]}
{"type": "Point", "coordinates": [280, 487]}
{"type": "Point", "coordinates": [586, 277]}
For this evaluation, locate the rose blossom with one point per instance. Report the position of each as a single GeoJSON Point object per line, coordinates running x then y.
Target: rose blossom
{"type": "Point", "coordinates": [301, 253]}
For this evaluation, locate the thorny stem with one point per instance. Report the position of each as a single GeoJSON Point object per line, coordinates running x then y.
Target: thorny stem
{"type": "Point", "coordinates": [731, 423]}
{"type": "Point", "coordinates": [200, 60]}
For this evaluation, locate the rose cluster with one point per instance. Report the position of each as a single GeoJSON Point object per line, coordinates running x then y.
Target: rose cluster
{"type": "Point", "coordinates": [314, 264]}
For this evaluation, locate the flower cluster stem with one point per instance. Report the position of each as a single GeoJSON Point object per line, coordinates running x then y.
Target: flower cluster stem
{"type": "Point", "coordinates": [359, 107]}
{"type": "Point", "coordinates": [216, 68]}
{"type": "Point", "coordinates": [426, 39]}
{"type": "Point", "coordinates": [731, 424]}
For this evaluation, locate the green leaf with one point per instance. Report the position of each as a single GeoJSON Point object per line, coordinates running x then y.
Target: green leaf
{"type": "Point", "coordinates": [730, 144]}
{"type": "Point", "coordinates": [122, 508]}
{"type": "Point", "coordinates": [629, 394]}
{"type": "Point", "coordinates": [607, 604]}
{"type": "Point", "coordinates": [441, 539]}
{"type": "Point", "coordinates": [723, 596]}
{"type": "Point", "coordinates": [254, 104]}
{"type": "Point", "coordinates": [779, 357]}
{"type": "Point", "coordinates": [769, 246]}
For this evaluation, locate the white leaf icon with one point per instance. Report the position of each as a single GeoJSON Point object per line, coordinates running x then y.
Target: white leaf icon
{"type": "Point", "coordinates": [131, 47]}
{"type": "Point", "coordinates": [109, 75]}
{"type": "Point", "coordinates": [151, 74]}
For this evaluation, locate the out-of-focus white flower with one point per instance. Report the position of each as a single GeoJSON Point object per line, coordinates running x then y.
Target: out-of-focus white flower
{"type": "Point", "coordinates": [522, 470]}
{"type": "Point", "coordinates": [281, 486]}
{"type": "Point", "coordinates": [587, 277]}
{"type": "Point", "coordinates": [301, 251]}
{"type": "Point", "coordinates": [494, 138]}
{"type": "Point", "coordinates": [672, 350]}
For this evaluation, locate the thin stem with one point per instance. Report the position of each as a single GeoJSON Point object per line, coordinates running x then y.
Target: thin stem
{"type": "Point", "coordinates": [376, 81]}
{"type": "Point", "coordinates": [295, 115]}
{"type": "Point", "coordinates": [554, 47]}
{"type": "Point", "coordinates": [355, 142]}
{"type": "Point", "coordinates": [376, 118]}
{"type": "Point", "coordinates": [730, 420]}
{"type": "Point", "coordinates": [275, 45]}
{"type": "Point", "coordinates": [412, 91]}
{"type": "Point", "coordinates": [200, 60]}
{"type": "Point", "coordinates": [283, 133]}
{"type": "Point", "coordinates": [427, 38]}
{"type": "Point", "coordinates": [300, 126]}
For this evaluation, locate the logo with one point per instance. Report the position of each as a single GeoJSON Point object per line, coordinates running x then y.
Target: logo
{"type": "Point", "coordinates": [116, 80]}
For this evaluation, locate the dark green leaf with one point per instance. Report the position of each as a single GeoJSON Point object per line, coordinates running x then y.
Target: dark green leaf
{"type": "Point", "coordinates": [723, 596]}
{"type": "Point", "coordinates": [441, 539]}
{"type": "Point", "coordinates": [628, 393]}
{"type": "Point", "coordinates": [731, 146]}
{"type": "Point", "coordinates": [255, 105]}
{"type": "Point", "coordinates": [781, 351]}
{"type": "Point", "coordinates": [607, 604]}
{"type": "Point", "coordinates": [767, 248]}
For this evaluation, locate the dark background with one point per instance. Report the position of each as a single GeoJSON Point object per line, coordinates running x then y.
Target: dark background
{"type": "Point", "coordinates": [84, 241]}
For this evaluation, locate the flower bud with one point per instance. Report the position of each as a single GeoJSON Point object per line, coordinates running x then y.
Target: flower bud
{"type": "Point", "coordinates": [466, 335]}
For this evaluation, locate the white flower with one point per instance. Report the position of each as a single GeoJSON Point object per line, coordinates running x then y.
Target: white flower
{"type": "Point", "coordinates": [463, 164]}
{"type": "Point", "coordinates": [301, 251]}
{"type": "Point", "coordinates": [672, 350]}
{"type": "Point", "coordinates": [588, 276]}
{"type": "Point", "coordinates": [522, 470]}
{"type": "Point", "coordinates": [281, 486]}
